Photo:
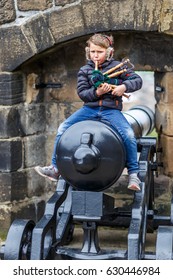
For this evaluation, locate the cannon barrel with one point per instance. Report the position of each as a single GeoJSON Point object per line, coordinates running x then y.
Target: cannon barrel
{"type": "Point", "coordinates": [91, 155]}
{"type": "Point", "coordinates": [141, 119]}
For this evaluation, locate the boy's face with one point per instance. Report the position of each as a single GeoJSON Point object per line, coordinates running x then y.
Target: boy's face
{"type": "Point", "coordinates": [97, 53]}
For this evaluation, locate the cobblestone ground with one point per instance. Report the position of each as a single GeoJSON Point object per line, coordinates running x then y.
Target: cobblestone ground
{"type": "Point", "coordinates": [113, 239]}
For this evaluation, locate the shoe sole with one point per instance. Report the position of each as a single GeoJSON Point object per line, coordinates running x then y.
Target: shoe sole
{"type": "Point", "coordinates": [134, 188]}
{"type": "Point", "coordinates": [45, 176]}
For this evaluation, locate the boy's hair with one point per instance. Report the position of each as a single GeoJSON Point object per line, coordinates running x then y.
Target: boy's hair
{"type": "Point", "coordinates": [103, 41]}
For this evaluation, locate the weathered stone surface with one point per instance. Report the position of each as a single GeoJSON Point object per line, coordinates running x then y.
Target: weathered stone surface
{"type": "Point", "coordinates": [25, 5]}
{"type": "Point", "coordinates": [7, 11]}
{"type": "Point", "coordinates": [5, 190]}
{"type": "Point", "coordinates": [5, 219]}
{"type": "Point", "coordinates": [11, 155]}
{"type": "Point", "coordinates": [63, 2]}
{"type": "Point", "coordinates": [31, 92]}
{"type": "Point", "coordinates": [165, 81]}
{"type": "Point", "coordinates": [145, 50]}
{"type": "Point", "coordinates": [26, 209]}
{"type": "Point", "coordinates": [164, 118]}
{"type": "Point", "coordinates": [9, 122]}
{"type": "Point", "coordinates": [11, 88]}
{"type": "Point", "coordinates": [32, 119]}
{"type": "Point", "coordinates": [14, 48]}
{"type": "Point", "coordinates": [22, 195]}
{"type": "Point", "coordinates": [37, 33]}
{"type": "Point", "coordinates": [66, 22]}
{"type": "Point", "coordinates": [22, 120]}
{"type": "Point", "coordinates": [52, 117]}
{"type": "Point", "coordinates": [96, 15]}
{"type": "Point", "coordinates": [31, 210]}
{"type": "Point", "coordinates": [38, 186]}
{"type": "Point", "coordinates": [19, 182]}
{"type": "Point", "coordinates": [135, 15]}
{"type": "Point", "coordinates": [34, 153]}
{"type": "Point", "coordinates": [166, 155]}
{"type": "Point", "coordinates": [166, 17]}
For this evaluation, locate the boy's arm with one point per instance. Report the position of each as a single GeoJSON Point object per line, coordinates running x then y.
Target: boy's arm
{"type": "Point", "coordinates": [85, 90]}
{"type": "Point", "coordinates": [131, 80]}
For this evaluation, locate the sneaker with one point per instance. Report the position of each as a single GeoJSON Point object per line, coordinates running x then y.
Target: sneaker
{"type": "Point", "coordinates": [134, 182]}
{"type": "Point", "coordinates": [48, 171]}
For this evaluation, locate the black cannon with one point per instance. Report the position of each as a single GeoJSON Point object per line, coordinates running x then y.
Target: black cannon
{"type": "Point", "coordinates": [89, 163]}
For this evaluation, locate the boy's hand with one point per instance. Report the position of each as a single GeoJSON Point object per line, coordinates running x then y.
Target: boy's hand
{"type": "Point", "coordinates": [104, 88]}
{"type": "Point", "coordinates": [119, 90]}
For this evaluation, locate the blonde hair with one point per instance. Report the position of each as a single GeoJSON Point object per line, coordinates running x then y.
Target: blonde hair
{"type": "Point", "coordinates": [103, 41]}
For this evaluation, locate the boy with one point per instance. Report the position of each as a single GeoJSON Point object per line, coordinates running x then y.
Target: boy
{"type": "Point", "coordinates": [102, 103]}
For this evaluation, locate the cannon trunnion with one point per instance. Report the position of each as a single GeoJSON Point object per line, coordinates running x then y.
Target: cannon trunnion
{"type": "Point", "coordinates": [91, 157]}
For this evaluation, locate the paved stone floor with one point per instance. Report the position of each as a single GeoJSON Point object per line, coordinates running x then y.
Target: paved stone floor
{"type": "Point", "coordinates": [112, 238]}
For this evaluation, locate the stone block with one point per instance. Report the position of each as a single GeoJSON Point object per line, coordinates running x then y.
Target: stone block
{"type": "Point", "coordinates": [53, 117]}
{"type": "Point", "coordinates": [9, 122]}
{"type": "Point", "coordinates": [166, 143]}
{"type": "Point", "coordinates": [11, 88]}
{"type": "Point", "coordinates": [23, 195]}
{"type": "Point", "coordinates": [63, 2]}
{"type": "Point", "coordinates": [5, 189]}
{"type": "Point", "coordinates": [50, 140]}
{"type": "Point", "coordinates": [41, 5]}
{"type": "Point", "coordinates": [164, 81]}
{"type": "Point", "coordinates": [166, 17]}
{"type": "Point", "coordinates": [38, 186]}
{"type": "Point", "coordinates": [96, 15]}
{"type": "Point", "coordinates": [164, 118]}
{"type": "Point", "coordinates": [32, 94]}
{"type": "Point", "coordinates": [13, 186]}
{"type": "Point", "coordinates": [34, 150]}
{"type": "Point", "coordinates": [32, 118]}
{"type": "Point", "coordinates": [11, 155]}
{"type": "Point", "coordinates": [37, 31]}
{"type": "Point", "coordinates": [66, 22]}
{"type": "Point", "coordinates": [7, 11]}
{"type": "Point", "coordinates": [14, 48]}
{"type": "Point", "coordinates": [31, 210]}
{"type": "Point", "coordinates": [5, 218]}
{"type": "Point", "coordinates": [135, 15]}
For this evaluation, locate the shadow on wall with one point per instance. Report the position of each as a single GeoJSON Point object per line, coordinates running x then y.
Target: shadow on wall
{"type": "Point", "coordinates": [144, 96]}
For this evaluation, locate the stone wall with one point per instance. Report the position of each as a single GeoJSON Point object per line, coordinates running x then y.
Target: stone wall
{"type": "Point", "coordinates": [43, 41]}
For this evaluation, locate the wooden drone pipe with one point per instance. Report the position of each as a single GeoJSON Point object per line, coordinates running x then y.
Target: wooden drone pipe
{"type": "Point", "coordinates": [116, 67]}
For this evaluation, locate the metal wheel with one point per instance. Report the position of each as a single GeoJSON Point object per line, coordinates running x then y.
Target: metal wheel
{"type": "Point", "coordinates": [164, 243]}
{"type": "Point", "coordinates": [18, 242]}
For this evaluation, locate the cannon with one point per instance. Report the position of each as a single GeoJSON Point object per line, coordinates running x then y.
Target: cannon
{"type": "Point", "coordinates": [89, 163]}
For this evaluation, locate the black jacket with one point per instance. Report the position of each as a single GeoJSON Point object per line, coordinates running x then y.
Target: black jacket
{"type": "Point", "coordinates": [87, 91]}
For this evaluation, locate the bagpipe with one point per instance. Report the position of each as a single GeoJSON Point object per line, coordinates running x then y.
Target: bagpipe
{"type": "Point", "coordinates": [98, 78]}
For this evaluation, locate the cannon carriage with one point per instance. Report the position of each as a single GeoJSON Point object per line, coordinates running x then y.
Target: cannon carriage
{"type": "Point", "coordinates": [91, 158]}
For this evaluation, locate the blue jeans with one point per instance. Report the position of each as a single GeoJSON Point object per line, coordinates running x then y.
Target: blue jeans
{"type": "Point", "coordinates": [111, 117]}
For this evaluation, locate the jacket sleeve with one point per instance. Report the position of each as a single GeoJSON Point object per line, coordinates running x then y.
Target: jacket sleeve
{"type": "Point", "coordinates": [85, 89]}
{"type": "Point", "coordinates": [131, 80]}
